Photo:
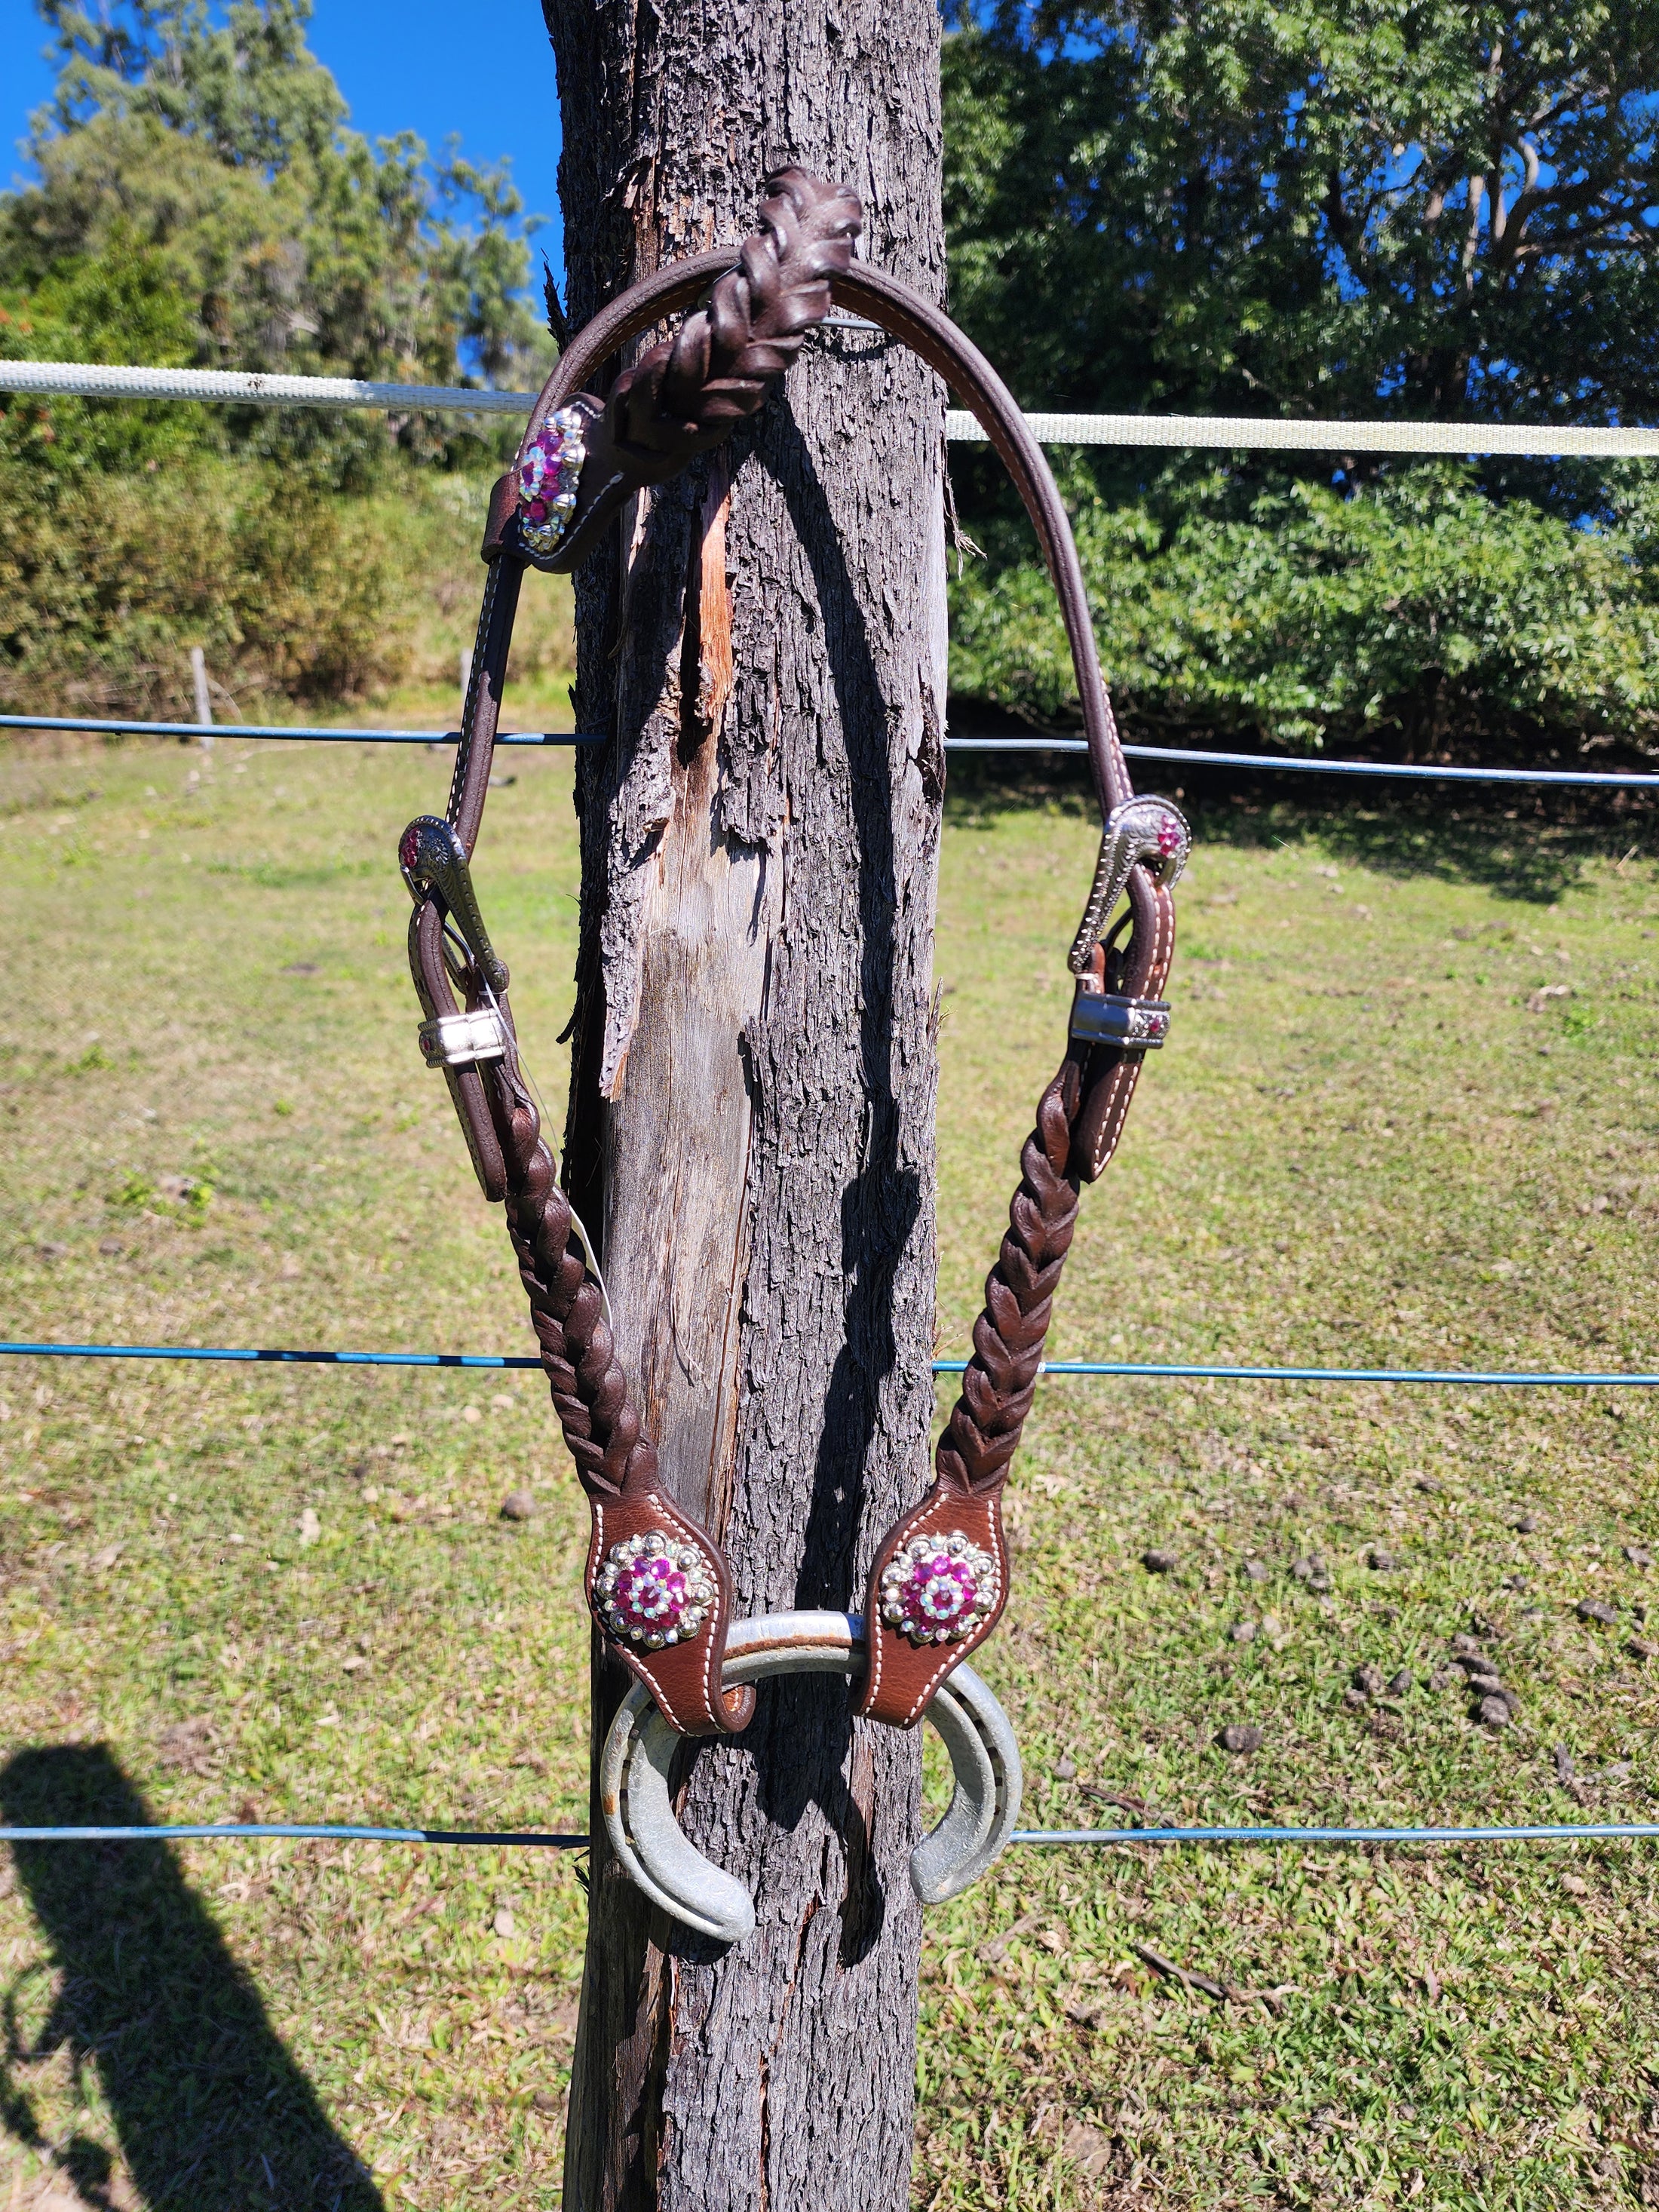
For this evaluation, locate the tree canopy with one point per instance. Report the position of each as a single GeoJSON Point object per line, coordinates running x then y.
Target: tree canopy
{"type": "Point", "coordinates": [1331, 206]}
{"type": "Point", "coordinates": [222, 146]}
{"type": "Point", "coordinates": [199, 198]}
{"type": "Point", "coordinates": [1326, 207]}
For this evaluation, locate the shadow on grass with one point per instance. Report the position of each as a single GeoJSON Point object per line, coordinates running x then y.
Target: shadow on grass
{"type": "Point", "coordinates": [212, 2113]}
{"type": "Point", "coordinates": [1519, 843]}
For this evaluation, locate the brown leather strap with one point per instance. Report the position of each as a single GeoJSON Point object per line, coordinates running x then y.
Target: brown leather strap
{"type": "Point", "coordinates": [648, 1561]}
{"type": "Point", "coordinates": [952, 1542]}
{"type": "Point", "coordinates": [963, 368]}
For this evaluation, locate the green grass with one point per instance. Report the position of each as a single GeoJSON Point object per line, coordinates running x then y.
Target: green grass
{"type": "Point", "coordinates": [1361, 1147]}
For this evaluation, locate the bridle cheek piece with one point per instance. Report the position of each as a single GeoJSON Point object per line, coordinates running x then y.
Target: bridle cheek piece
{"type": "Point", "coordinates": [658, 1582]}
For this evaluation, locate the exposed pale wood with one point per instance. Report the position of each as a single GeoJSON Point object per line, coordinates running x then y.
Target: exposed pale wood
{"type": "Point", "coordinates": [752, 1110]}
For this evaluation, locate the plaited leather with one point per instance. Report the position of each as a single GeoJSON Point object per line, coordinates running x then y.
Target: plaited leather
{"type": "Point", "coordinates": [615, 1464]}
{"type": "Point", "coordinates": [1079, 1118]}
{"type": "Point", "coordinates": [688, 392]}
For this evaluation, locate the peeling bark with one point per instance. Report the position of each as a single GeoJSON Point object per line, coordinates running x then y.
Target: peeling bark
{"type": "Point", "coordinates": [751, 1117]}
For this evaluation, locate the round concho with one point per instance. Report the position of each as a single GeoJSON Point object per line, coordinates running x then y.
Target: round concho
{"type": "Point", "coordinates": [548, 473]}
{"type": "Point", "coordinates": [939, 1588]}
{"type": "Point", "coordinates": [652, 1591]}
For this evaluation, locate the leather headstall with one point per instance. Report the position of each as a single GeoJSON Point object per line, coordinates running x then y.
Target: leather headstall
{"type": "Point", "coordinates": [658, 1582]}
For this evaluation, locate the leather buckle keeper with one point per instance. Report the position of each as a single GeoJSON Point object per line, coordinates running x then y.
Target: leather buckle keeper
{"type": "Point", "coordinates": [503, 511]}
{"type": "Point", "coordinates": [462, 1040]}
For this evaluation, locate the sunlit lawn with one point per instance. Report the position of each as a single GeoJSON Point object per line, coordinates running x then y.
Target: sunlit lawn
{"type": "Point", "coordinates": [1361, 1147]}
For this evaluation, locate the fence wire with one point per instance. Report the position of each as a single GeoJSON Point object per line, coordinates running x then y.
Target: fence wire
{"type": "Point", "coordinates": [1132, 1371]}
{"type": "Point", "coordinates": [1170, 755]}
{"type": "Point", "coordinates": [50, 378]}
{"type": "Point", "coordinates": [322, 1832]}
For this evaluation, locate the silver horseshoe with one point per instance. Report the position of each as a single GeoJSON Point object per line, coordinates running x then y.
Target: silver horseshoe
{"type": "Point", "coordinates": [1143, 829]}
{"type": "Point", "coordinates": [638, 1751]}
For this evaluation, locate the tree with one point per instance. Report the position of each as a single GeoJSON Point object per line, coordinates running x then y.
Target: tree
{"type": "Point", "coordinates": [198, 198]}
{"type": "Point", "coordinates": [223, 147]}
{"type": "Point", "coordinates": [751, 1117]}
{"type": "Point", "coordinates": [1380, 206]}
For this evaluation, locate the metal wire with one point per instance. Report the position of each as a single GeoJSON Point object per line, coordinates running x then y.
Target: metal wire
{"type": "Point", "coordinates": [227, 1831]}
{"type": "Point", "coordinates": [271, 1357]}
{"type": "Point", "coordinates": [315, 1831]}
{"type": "Point", "coordinates": [1261, 433]}
{"type": "Point", "coordinates": [1127, 1369]}
{"type": "Point", "coordinates": [1407, 771]}
{"type": "Point", "coordinates": [1170, 755]}
{"type": "Point", "coordinates": [239, 387]}
{"type": "Point", "coordinates": [1539, 1831]}
{"type": "Point", "coordinates": [1231, 433]}
{"type": "Point", "coordinates": [1181, 1370]}
{"type": "Point", "coordinates": [309, 732]}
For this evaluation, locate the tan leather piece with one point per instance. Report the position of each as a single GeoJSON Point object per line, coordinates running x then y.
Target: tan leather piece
{"type": "Point", "coordinates": [904, 1674]}
{"type": "Point", "coordinates": [684, 1678]}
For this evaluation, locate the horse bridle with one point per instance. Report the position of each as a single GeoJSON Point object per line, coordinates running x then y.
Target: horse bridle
{"type": "Point", "coordinates": [658, 1582]}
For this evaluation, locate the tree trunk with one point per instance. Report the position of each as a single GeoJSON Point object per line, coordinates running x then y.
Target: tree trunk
{"type": "Point", "coordinates": [751, 1117]}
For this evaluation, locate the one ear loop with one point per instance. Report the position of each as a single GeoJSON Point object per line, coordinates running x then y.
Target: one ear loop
{"type": "Point", "coordinates": [935, 339]}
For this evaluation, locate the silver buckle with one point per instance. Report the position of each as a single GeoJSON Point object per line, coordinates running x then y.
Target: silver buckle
{"type": "Point", "coordinates": [1146, 829]}
{"type": "Point", "coordinates": [461, 1040]}
{"type": "Point", "coordinates": [1109, 1018]}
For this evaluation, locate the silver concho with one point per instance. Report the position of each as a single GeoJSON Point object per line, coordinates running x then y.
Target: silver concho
{"type": "Point", "coordinates": [433, 859]}
{"type": "Point", "coordinates": [549, 473]}
{"type": "Point", "coordinates": [652, 1591]}
{"type": "Point", "coordinates": [1144, 829]}
{"type": "Point", "coordinates": [940, 1588]}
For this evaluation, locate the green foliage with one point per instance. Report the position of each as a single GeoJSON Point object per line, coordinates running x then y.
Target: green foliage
{"type": "Point", "coordinates": [1256, 209]}
{"type": "Point", "coordinates": [1419, 612]}
{"type": "Point", "coordinates": [199, 199]}
{"type": "Point", "coordinates": [1250, 206]}
{"type": "Point", "coordinates": [106, 581]}
{"type": "Point", "coordinates": [294, 244]}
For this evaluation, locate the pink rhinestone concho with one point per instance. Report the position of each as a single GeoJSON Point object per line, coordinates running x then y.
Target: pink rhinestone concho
{"type": "Point", "coordinates": [548, 476]}
{"type": "Point", "coordinates": [652, 1591]}
{"type": "Point", "coordinates": [939, 1588]}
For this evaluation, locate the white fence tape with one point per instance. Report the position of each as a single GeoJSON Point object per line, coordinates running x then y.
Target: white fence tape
{"type": "Point", "coordinates": [1229, 432]}
{"type": "Point", "coordinates": [92, 381]}
{"type": "Point", "coordinates": [1239, 432]}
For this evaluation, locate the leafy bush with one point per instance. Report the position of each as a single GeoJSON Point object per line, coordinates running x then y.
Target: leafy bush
{"type": "Point", "coordinates": [198, 198]}
{"type": "Point", "coordinates": [1419, 608]}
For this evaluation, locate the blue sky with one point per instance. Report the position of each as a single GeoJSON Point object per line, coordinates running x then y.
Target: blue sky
{"type": "Point", "coordinates": [485, 71]}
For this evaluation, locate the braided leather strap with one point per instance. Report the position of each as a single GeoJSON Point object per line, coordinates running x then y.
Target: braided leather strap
{"type": "Point", "coordinates": [690, 391]}
{"type": "Point", "coordinates": [615, 1464]}
{"type": "Point", "coordinates": [940, 1577]}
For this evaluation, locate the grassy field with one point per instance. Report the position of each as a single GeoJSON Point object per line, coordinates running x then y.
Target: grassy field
{"type": "Point", "coordinates": [1406, 1117]}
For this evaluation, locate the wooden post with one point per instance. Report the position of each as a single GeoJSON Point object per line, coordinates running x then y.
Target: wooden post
{"type": "Point", "coordinates": [199, 678]}
{"type": "Point", "coordinates": [751, 1117]}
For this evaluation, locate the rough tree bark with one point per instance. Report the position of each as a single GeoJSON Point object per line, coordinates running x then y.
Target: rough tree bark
{"type": "Point", "coordinates": [753, 1112]}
